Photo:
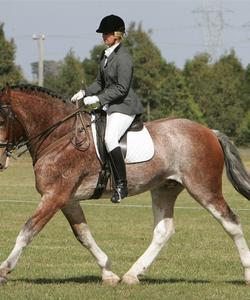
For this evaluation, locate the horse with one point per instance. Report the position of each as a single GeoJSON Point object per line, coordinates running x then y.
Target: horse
{"type": "Point", "coordinates": [187, 155]}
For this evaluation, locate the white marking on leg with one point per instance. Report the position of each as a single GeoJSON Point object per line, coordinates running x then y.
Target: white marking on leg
{"type": "Point", "coordinates": [164, 229]}
{"type": "Point", "coordinates": [85, 237]}
{"type": "Point", "coordinates": [162, 232]}
{"type": "Point", "coordinates": [22, 240]}
{"type": "Point", "coordinates": [235, 231]}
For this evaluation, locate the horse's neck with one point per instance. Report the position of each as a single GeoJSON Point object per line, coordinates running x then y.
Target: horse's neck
{"type": "Point", "coordinates": [37, 114]}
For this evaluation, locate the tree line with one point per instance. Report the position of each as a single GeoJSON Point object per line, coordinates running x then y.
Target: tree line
{"type": "Point", "coordinates": [214, 94]}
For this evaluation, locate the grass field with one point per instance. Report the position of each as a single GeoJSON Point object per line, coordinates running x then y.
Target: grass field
{"type": "Point", "coordinates": [200, 261]}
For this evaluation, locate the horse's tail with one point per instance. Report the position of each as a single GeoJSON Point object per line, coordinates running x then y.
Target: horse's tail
{"type": "Point", "coordinates": [236, 171]}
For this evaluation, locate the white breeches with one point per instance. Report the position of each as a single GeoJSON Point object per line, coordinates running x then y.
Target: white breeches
{"type": "Point", "coordinates": [117, 124]}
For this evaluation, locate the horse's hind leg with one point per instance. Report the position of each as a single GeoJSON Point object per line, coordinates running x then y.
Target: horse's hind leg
{"type": "Point", "coordinates": [75, 216]}
{"type": "Point", "coordinates": [210, 197]}
{"type": "Point", "coordinates": [231, 224]}
{"type": "Point", "coordinates": [163, 200]}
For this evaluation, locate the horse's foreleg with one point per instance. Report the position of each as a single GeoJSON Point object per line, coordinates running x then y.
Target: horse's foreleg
{"type": "Point", "coordinates": [46, 209]}
{"type": "Point", "coordinates": [163, 201]}
{"type": "Point", "coordinates": [22, 240]}
{"type": "Point", "coordinates": [74, 214]}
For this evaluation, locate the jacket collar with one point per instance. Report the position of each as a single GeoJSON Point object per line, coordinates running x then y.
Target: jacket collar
{"type": "Point", "coordinates": [111, 56]}
{"type": "Point", "coordinates": [117, 48]}
{"type": "Point", "coordinates": [110, 50]}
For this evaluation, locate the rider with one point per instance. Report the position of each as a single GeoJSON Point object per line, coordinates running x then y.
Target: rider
{"type": "Point", "coordinates": [112, 88]}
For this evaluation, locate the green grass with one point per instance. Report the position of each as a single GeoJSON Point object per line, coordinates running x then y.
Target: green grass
{"type": "Point", "coordinates": [200, 261]}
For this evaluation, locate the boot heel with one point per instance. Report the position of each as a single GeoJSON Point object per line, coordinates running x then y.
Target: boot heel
{"type": "Point", "coordinates": [120, 192]}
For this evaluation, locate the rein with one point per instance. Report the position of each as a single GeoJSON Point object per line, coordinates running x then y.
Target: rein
{"type": "Point", "coordinates": [12, 144]}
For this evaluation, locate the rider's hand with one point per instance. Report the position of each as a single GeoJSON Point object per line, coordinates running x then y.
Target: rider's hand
{"type": "Point", "coordinates": [78, 96]}
{"type": "Point", "coordinates": [90, 100]}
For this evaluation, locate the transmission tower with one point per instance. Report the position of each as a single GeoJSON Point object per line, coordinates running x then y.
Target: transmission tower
{"type": "Point", "coordinates": [212, 23]}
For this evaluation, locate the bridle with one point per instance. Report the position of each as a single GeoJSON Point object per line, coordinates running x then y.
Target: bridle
{"type": "Point", "coordinates": [12, 143]}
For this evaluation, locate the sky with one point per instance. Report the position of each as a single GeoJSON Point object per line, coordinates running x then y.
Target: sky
{"type": "Point", "coordinates": [181, 29]}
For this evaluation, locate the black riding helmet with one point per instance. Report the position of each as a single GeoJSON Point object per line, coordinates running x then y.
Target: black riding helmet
{"type": "Point", "coordinates": [111, 23]}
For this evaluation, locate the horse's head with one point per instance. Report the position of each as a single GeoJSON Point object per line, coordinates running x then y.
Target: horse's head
{"type": "Point", "coordinates": [4, 159]}
{"type": "Point", "coordinates": [10, 128]}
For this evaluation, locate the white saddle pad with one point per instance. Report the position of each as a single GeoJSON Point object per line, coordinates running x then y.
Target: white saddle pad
{"type": "Point", "coordinates": [140, 146]}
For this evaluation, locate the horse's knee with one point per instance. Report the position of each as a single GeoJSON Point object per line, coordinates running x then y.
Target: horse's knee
{"type": "Point", "coordinates": [163, 231]}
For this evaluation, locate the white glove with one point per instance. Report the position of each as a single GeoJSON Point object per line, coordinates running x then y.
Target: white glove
{"type": "Point", "coordinates": [78, 96]}
{"type": "Point", "coordinates": [90, 100]}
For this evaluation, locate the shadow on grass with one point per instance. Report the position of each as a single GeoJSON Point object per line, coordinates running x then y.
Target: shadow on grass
{"type": "Point", "coordinates": [145, 281]}
{"type": "Point", "coordinates": [237, 282]}
{"type": "Point", "coordinates": [191, 281]}
{"type": "Point", "coordinates": [173, 281]}
{"type": "Point", "coordinates": [82, 279]}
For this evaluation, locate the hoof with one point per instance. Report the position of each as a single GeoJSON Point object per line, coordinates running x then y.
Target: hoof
{"type": "Point", "coordinates": [111, 280]}
{"type": "Point", "coordinates": [3, 280]}
{"type": "Point", "coordinates": [129, 279]}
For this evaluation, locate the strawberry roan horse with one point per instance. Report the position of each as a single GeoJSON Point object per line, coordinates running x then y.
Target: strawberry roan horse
{"type": "Point", "coordinates": [187, 155]}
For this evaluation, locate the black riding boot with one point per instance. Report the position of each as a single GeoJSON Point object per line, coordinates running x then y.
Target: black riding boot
{"type": "Point", "coordinates": [119, 173]}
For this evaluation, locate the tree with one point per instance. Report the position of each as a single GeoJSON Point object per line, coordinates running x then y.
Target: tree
{"type": "Point", "coordinates": [51, 73]}
{"type": "Point", "coordinates": [243, 132]}
{"type": "Point", "coordinates": [230, 79]}
{"type": "Point", "coordinates": [92, 64]}
{"type": "Point", "coordinates": [9, 72]}
{"type": "Point", "coordinates": [247, 88]}
{"type": "Point", "coordinates": [51, 68]}
{"type": "Point", "coordinates": [218, 90]}
{"type": "Point", "coordinates": [70, 76]}
{"type": "Point", "coordinates": [175, 98]}
{"type": "Point", "coordinates": [243, 138]}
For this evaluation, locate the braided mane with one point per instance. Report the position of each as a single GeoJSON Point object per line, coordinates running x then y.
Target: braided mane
{"type": "Point", "coordinates": [39, 89]}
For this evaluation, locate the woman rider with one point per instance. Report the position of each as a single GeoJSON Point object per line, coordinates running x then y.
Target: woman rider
{"type": "Point", "coordinates": [113, 90]}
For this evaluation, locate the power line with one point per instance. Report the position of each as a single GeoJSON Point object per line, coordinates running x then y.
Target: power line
{"type": "Point", "coordinates": [59, 36]}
